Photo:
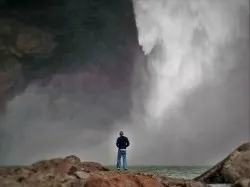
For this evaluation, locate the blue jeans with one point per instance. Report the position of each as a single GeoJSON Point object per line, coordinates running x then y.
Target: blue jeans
{"type": "Point", "coordinates": [123, 154]}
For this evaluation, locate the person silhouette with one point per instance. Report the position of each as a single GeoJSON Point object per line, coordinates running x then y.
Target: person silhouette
{"type": "Point", "coordinates": [122, 143]}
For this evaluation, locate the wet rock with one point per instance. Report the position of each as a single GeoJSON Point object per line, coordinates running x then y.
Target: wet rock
{"type": "Point", "coordinates": [34, 41]}
{"type": "Point", "coordinates": [19, 39]}
{"type": "Point", "coordinates": [234, 167]}
{"type": "Point", "coordinates": [10, 76]}
{"type": "Point", "coordinates": [173, 182]}
{"type": "Point", "coordinates": [10, 70]}
{"type": "Point", "coordinates": [196, 184]}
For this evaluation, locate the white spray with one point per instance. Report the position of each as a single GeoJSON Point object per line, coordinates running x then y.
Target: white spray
{"type": "Point", "coordinates": [181, 39]}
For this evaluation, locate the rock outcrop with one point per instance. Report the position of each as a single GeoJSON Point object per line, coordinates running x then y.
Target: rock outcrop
{"type": "Point", "coordinates": [70, 171]}
{"type": "Point", "coordinates": [133, 179]}
{"type": "Point", "coordinates": [54, 172]}
{"type": "Point", "coordinates": [242, 183]}
{"type": "Point", "coordinates": [122, 179]}
{"type": "Point", "coordinates": [34, 41]}
{"type": "Point", "coordinates": [234, 167]}
{"type": "Point", "coordinates": [18, 40]}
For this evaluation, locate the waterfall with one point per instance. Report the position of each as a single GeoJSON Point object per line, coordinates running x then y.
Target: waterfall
{"type": "Point", "coordinates": [183, 40]}
{"type": "Point", "coordinates": [190, 91]}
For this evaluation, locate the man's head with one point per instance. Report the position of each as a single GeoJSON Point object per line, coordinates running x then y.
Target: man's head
{"type": "Point", "coordinates": [121, 133]}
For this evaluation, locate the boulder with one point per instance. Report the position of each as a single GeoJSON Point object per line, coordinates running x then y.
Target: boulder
{"type": "Point", "coordinates": [242, 183]}
{"type": "Point", "coordinates": [68, 171]}
{"type": "Point", "coordinates": [81, 175]}
{"type": "Point", "coordinates": [19, 39]}
{"type": "Point", "coordinates": [92, 166]}
{"type": "Point", "coordinates": [67, 165]}
{"type": "Point", "coordinates": [233, 168]}
{"type": "Point", "coordinates": [33, 41]}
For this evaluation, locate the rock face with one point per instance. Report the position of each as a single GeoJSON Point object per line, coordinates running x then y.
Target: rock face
{"type": "Point", "coordinates": [54, 172]}
{"type": "Point", "coordinates": [34, 41]}
{"type": "Point", "coordinates": [122, 179]}
{"type": "Point", "coordinates": [16, 41]}
{"type": "Point", "coordinates": [50, 39]}
{"type": "Point", "coordinates": [130, 179]}
{"type": "Point", "coordinates": [242, 183]}
{"type": "Point", "coordinates": [71, 172]}
{"type": "Point", "coordinates": [19, 39]}
{"type": "Point", "coordinates": [233, 168]}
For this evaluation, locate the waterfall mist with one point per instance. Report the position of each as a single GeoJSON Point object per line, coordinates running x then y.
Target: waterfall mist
{"type": "Point", "coordinates": [192, 103]}
{"type": "Point", "coordinates": [186, 102]}
{"type": "Point", "coordinates": [64, 117]}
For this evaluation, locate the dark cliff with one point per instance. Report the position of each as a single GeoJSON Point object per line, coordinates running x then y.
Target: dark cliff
{"type": "Point", "coordinates": [44, 38]}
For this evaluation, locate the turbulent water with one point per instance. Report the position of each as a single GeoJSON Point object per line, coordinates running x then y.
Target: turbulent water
{"type": "Point", "coordinates": [194, 74]}
{"type": "Point", "coordinates": [183, 41]}
{"type": "Point", "coordinates": [187, 172]}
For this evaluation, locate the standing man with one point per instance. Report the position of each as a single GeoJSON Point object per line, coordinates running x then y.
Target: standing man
{"type": "Point", "coordinates": [122, 143]}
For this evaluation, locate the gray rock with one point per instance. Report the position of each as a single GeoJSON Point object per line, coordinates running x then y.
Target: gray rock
{"type": "Point", "coordinates": [233, 168]}
{"type": "Point", "coordinates": [242, 183]}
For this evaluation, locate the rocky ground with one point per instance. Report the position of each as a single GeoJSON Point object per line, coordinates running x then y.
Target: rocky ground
{"type": "Point", "coordinates": [235, 168]}
{"type": "Point", "coordinates": [72, 172]}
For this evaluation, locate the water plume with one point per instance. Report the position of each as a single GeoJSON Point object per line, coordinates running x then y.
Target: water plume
{"type": "Point", "coordinates": [183, 42]}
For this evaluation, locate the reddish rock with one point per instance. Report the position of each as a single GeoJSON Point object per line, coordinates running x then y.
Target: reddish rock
{"type": "Point", "coordinates": [131, 179]}
{"type": "Point", "coordinates": [52, 165]}
{"type": "Point", "coordinates": [92, 166]}
{"type": "Point", "coordinates": [81, 175]}
{"type": "Point", "coordinates": [73, 159]}
{"type": "Point", "coordinates": [122, 180]}
{"type": "Point", "coordinates": [71, 172]}
{"type": "Point", "coordinates": [59, 166]}
{"type": "Point", "coordinates": [68, 171]}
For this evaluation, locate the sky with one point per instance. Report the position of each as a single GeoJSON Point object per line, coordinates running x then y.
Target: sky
{"type": "Point", "coordinates": [185, 100]}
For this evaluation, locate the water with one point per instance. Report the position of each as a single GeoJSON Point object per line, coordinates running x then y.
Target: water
{"type": "Point", "coordinates": [183, 41]}
{"type": "Point", "coordinates": [187, 172]}
{"type": "Point", "coordinates": [191, 54]}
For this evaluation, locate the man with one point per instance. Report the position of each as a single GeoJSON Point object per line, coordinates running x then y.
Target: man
{"type": "Point", "coordinates": [122, 143]}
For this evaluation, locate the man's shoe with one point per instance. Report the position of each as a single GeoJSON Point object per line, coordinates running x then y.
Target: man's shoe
{"type": "Point", "coordinates": [118, 168]}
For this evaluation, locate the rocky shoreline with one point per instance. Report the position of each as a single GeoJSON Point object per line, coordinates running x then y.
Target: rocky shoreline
{"type": "Point", "coordinates": [72, 172]}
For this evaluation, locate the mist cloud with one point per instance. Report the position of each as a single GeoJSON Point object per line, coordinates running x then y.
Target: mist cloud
{"type": "Point", "coordinates": [196, 106]}
{"type": "Point", "coordinates": [190, 100]}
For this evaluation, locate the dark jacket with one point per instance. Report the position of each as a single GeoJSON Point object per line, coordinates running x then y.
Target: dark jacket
{"type": "Point", "coordinates": [122, 142]}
